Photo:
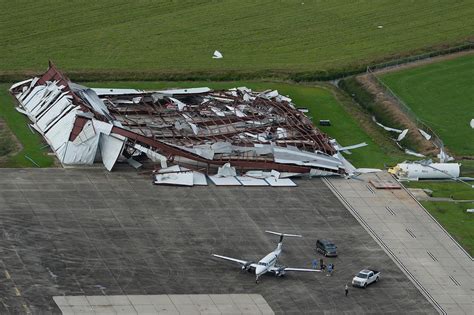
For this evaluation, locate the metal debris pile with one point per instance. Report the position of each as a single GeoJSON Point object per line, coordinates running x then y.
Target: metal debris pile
{"type": "Point", "coordinates": [197, 130]}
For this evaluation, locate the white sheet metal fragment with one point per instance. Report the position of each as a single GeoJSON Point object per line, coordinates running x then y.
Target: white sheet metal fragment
{"type": "Point", "coordinates": [402, 135]}
{"type": "Point", "coordinates": [280, 182]}
{"type": "Point", "coordinates": [86, 133]}
{"type": "Point", "coordinates": [179, 179]}
{"type": "Point", "coordinates": [58, 135]}
{"type": "Point", "coordinates": [199, 179]}
{"type": "Point", "coordinates": [152, 155]}
{"type": "Point", "coordinates": [106, 91]}
{"type": "Point", "coordinates": [284, 155]}
{"type": "Point", "coordinates": [170, 169]}
{"type": "Point", "coordinates": [217, 55]}
{"type": "Point", "coordinates": [20, 83]}
{"type": "Point", "coordinates": [111, 146]}
{"type": "Point", "coordinates": [134, 163]}
{"type": "Point", "coordinates": [472, 123]}
{"type": "Point", "coordinates": [443, 156]}
{"type": "Point", "coordinates": [425, 134]}
{"type": "Point", "coordinates": [251, 181]}
{"type": "Point", "coordinates": [102, 127]}
{"type": "Point", "coordinates": [224, 181]}
{"type": "Point", "coordinates": [181, 106]}
{"type": "Point", "coordinates": [226, 170]}
{"type": "Point", "coordinates": [198, 90]}
{"type": "Point", "coordinates": [410, 152]}
{"type": "Point", "coordinates": [80, 153]}
{"type": "Point", "coordinates": [350, 147]}
{"type": "Point", "coordinates": [385, 127]}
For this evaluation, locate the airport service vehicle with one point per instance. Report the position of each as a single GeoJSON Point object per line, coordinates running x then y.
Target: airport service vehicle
{"type": "Point", "coordinates": [269, 262]}
{"type": "Point", "coordinates": [327, 248]}
{"type": "Point", "coordinates": [365, 277]}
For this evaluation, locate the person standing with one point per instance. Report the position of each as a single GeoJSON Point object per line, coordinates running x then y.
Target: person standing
{"type": "Point", "coordinates": [346, 289]}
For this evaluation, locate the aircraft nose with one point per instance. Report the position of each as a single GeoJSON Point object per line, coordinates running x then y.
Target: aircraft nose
{"type": "Point", "coordinates": [259, 270]}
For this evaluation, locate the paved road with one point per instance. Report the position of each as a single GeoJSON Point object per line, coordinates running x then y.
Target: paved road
{"type": "Point", "coordinates": [90, 232]}
{"type": "Point", "coordinates": [439, 267]}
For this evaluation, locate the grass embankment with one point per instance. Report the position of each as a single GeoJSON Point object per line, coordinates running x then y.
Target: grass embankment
{"type": "Point", "coordinates": [445, 189]}
{"type": "Point", "coordinates": [176, 39]}
{"type": "Point", "coordinates": [452, 215]}
{"type": "Point", "coordinates": [442, 95]}
{"type": "Point", "coordinates": [32, 143]}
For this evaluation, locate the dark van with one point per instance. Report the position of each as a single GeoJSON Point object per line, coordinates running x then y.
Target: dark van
{"type": "Point", "coordinates": [327, 248]}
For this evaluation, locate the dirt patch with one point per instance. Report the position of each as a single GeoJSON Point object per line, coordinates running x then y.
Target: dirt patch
{"type": "Point", "coordinates": [9, 144]}
{"type": "Point", "coordinates": [391, 107]}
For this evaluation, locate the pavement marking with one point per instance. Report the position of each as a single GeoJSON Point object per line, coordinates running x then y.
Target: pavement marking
{"type": "Point", "coordinates": [171, 303]}
{"type": "Point", "coordinates": [426, 234]}
{"type": "Point", "coordinates": [370, 189]}
{"type": "Point", "coordinates": [431, 255]}
{"type": "Point", "coordinates": [7, 275]}
{"type": "Point", "coordinates": [455, 281]}
{"type": "Point", "coordinates": [17, 292]}
{"type": "Point", "coordinates": [410, 232]}
{"type": "Point", "coordinates": [390, 210]}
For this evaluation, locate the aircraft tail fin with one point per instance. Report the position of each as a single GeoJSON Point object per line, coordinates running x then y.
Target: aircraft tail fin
{"type": "Point", "coordinates": [283, 235]}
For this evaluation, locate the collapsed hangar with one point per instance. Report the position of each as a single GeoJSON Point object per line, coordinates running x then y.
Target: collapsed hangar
{"type": "Point", "coordinates": [197, 130]}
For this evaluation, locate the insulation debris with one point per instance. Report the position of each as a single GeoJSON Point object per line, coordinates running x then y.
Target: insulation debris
{"type": "Point", "coordinates": [425, 134]}
{"type": "Point", "coordinates": [198, 128]}
{"type": "Point", "coordinates": [217, 55]}
{"type": "Point", "coordinates": [443, 156]}
{"type": "Point", "coordinates": [385, 127]}
{"type": "Point", "coordinates": [410, 152]}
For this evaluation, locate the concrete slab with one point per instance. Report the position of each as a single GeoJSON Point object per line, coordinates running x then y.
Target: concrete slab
{"type": "Point", "coordinates": [115, 234]}
{"type": "Point", "coordinates": [416, 242]}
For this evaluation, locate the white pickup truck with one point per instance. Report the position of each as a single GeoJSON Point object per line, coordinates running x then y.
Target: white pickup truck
{"type": "Point", "coordinates": [365, 277]}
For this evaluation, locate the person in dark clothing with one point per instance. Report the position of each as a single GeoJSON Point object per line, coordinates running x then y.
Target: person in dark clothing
{"type": "Point", "coordinates": [346, 289]}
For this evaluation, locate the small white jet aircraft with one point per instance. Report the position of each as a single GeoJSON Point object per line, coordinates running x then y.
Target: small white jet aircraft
{"type": "Point", "coordinates": [269, 262]}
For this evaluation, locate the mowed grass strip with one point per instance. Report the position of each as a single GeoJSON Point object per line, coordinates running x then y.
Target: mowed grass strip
{"type": "Point", "coordinates": [253, 35]}
{"type": "Point", "coordinates": [445, 189]}
{"type": "Point", "coordinates": [32, 142]}
{"type": "Point", "coordinates": [322, 105]}
{"type": "Point", "coordinates": [454, 218]}
{"type": "Point", "coordinates": [442, 95]}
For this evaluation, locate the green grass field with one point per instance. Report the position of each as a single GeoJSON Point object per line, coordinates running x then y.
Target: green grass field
{"type": "Point", "coordinates": [180, 36]}
{"type": "Point", "coordinates": [454, 218]}
{"type": "Point", "coordinates": [446, 189]}
{"type": "Point", "coordinates": [442, 95]}
{"type": "Point", "coordinates": [33, 145]}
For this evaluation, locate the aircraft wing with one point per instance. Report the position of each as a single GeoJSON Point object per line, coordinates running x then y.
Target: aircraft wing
{"type": "Point", "coordinates": [242, 262]}
{"type": "Point", "coordinates": [299, 269]}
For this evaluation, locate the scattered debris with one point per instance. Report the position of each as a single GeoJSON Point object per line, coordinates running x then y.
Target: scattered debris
{"type": "Point", "coordinates": [385, 127]}
{"type": "Point", "coordinates": [470, 210]}
{"type": "Point", "coordinates": [425, 134]}
{"type": "Point", "coordinates": [324, 122]}
{"type": "Point", "coordinates": [204, 130]}
{"type": "Point", "coordinates": [472, 123]}
{"type": "Point", "coordinates": [443, 156]}
{"type": "Point", "coordinates": [402, 135]}
{"type": "Point", "coordinates": [217, 55]}
{"type": "Point", "coordinates": [410, 152]}
{"type": "Point", "coordinates": [380, 26]}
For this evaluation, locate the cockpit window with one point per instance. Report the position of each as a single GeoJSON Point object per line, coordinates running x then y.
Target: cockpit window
{"type": "Point", "coordinates": [262, 264]}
